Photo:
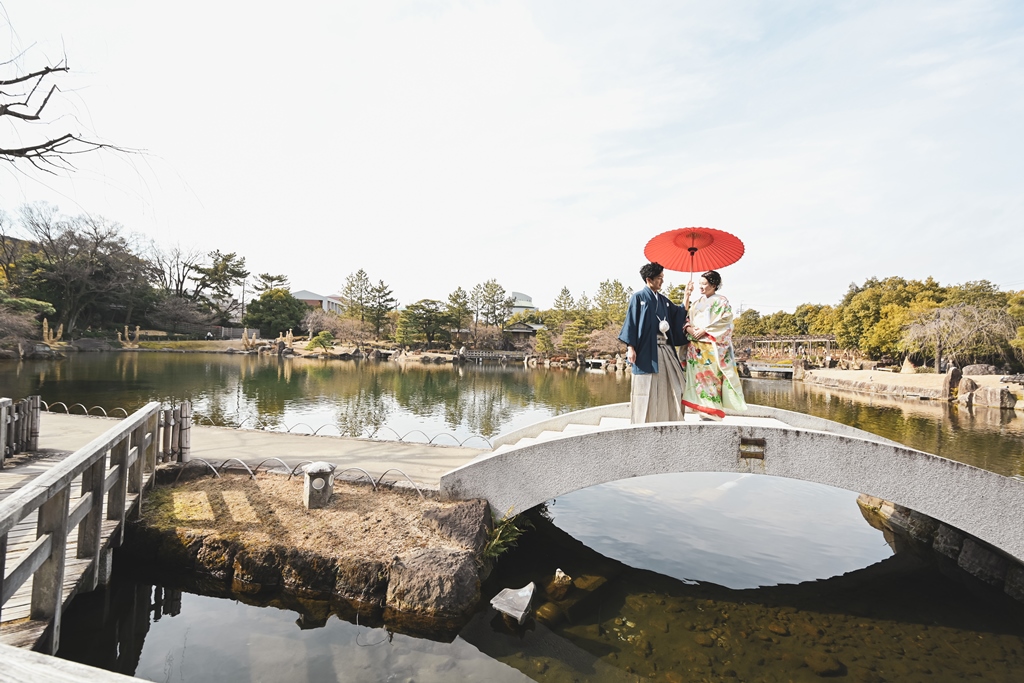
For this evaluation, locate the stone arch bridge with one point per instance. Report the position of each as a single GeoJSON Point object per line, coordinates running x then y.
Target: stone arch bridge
{"type": "Point", "coordinates": [574, 451]}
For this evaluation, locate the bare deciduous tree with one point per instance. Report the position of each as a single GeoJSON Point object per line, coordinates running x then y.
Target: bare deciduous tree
{"type": "Point", "coordinates": [176, 266]}
{"type": "Point", "coordinates": [174, 311]}
{"type": "Point", "coordinates": [343, 329]}
{"type": "Point", "coordinates": [80, 258]}
{"type": "Point", "coordinates": [964, 332]}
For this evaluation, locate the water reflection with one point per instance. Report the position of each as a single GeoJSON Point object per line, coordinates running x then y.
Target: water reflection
{"type": "Point", "coordinates": [898, 619]}
{"type": "Point", "coordinates": [984, 437]}
{"type": "Point", "coordinates": [739, 530]}
{"type": "Point", "coordinates": [348, 397]}
{"type": "Point", "coordinates": [158, 632]}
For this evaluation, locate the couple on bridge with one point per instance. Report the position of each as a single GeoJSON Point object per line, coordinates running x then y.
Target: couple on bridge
{"type": "Point", "coordinates": [707, 380]}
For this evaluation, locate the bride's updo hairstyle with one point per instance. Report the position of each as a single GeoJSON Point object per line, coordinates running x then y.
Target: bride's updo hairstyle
{"type": "Point", "coordinates": [713, 278]}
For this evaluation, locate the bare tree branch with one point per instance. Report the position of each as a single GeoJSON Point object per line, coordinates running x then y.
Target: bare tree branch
{"type": "Point", "coordinates": [51, 153]}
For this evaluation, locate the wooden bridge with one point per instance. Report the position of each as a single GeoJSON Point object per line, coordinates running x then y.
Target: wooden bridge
{"type": "Point", "coordinates": [500, 356]}
{"type": "Point", "coordinates": [60, 517]}
{"type": "Point", "coordinates": [770, 368]}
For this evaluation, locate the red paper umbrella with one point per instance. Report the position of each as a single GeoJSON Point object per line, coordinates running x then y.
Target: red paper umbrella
{"type": "Point", "coordinates": [694, 250]}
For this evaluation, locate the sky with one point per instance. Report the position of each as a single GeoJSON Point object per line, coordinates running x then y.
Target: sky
{"type": "Point", "coordinates": [441, 144]}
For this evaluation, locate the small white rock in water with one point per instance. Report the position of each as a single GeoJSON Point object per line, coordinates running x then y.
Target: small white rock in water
{"type": "Point", "coordinates": [515, 602]}
{"type": "Point", "coordinates": [559, 585]}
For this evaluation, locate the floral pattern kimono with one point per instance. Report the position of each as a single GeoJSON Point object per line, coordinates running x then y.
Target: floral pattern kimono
{"type": "Point", "coordinates": [712, 382]}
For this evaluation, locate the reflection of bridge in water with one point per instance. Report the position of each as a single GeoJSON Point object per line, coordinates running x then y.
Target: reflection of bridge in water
{"type": "Point", "coordinates": [574, 451]}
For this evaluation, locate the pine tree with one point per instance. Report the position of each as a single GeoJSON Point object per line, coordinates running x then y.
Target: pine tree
{"type": "Point", "coordinates": [562, 308]}
{"type": "Point", "coordinates": [611, 302]}
{"type": "Point", "coordinates": [356, 294]}
{"type": "Point", "coordinates": [379, 304]}
{"type": "Point", "coordinates": [574, 339]}
{"type": "Point", "coordinates": [543, 344]}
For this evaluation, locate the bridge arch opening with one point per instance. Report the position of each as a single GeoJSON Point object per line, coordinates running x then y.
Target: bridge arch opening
{"type": "Point", "coordinates": [731, 529]}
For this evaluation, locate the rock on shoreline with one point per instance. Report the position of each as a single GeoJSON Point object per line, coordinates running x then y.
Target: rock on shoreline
{"type": "Point", "coordinates": [429, 581]}
{"type": "Point", "coordinates": [987, 390]}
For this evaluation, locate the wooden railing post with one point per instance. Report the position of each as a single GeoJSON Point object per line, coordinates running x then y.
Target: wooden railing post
{"type": "Point", "coordinates": [23, 420]}
{"type": "Point", "coordinates": [48, 580]}
{"type": "Point", "coordinates": [119, 492]}
{"type": "Point", "coordinates": [5, 411]}
{"type": "Point", "coordinates": [3, 560]}
{"type": "Point", "coordinates": [138, 442]}
{"type": "Point", "coordinates": [186, 432]}
{"type": "Point", "coordinates": [176, 434]}
{"type": "Point", "coordinates": [90, 529]}
{"type": "Point", "coordinates": [168, 418]}
{"type": "Point", "coordinates": [152, 443]}
{"type": "Point", "coordinates": [35, 405]}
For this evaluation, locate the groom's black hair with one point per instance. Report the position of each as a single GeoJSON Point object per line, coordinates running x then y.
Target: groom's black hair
{"type": "Point", "coordinates": [651, 270]}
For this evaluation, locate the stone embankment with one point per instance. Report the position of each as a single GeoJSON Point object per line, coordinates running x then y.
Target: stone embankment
{"type": "Point", "coordinates": [968, 390]}
{"type": "Point", "coordinates": [908, 530]}
{"type": "Point", "coordinates": [416, 562]}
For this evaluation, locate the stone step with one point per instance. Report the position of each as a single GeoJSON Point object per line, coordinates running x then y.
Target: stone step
{"type": "Point", "coordinates": [614, 422]}
{"type": "Point", "coordinates": [573, 429]}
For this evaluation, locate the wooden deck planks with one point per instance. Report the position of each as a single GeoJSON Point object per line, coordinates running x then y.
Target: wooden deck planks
{"type": "Point", "coordinates": [15, 627]}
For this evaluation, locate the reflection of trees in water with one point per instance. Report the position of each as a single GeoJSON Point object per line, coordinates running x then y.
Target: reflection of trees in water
{"type": "Point", "coordinates": [366, 409]}
{"type": "Point", "coordinates": [229, 390]}
{"type": "Point", "coordinates": [987, 438]}
{"type": "Point", "coordinates": [477, 399]}
{"type": "Point", "coordinates": [269, 387]}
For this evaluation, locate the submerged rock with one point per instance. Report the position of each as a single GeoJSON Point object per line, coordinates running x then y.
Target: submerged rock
{"type": "Point", "coordinates": [824, 664]}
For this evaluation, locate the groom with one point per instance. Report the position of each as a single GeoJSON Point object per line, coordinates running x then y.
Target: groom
{"type": "Point", "coordinates": [651, 331]}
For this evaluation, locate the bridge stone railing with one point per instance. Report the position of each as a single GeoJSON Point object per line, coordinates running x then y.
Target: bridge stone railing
{"type": "Point", "coordinates": [806, 448]}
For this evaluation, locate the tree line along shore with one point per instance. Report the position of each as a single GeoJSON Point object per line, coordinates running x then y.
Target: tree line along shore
{"type": "Point", "coordinates": [90, 277]}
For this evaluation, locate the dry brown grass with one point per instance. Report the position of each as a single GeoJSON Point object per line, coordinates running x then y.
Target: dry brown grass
{"type": "Point", "coordinates": [268, 510]}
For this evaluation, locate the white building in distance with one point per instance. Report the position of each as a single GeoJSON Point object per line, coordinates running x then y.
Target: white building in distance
{"type": "Point", "coordinates": [523, 303]}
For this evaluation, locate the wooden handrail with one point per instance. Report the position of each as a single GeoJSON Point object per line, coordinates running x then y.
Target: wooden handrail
{"type": "Point", "coordinates": [132, 446]}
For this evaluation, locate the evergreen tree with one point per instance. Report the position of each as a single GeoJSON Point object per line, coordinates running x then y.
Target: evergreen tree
{"type": "Point", "coordinates": [562, 308]}
{"type": "Point", "coordinates": [574, 339]}
{"type": "Point", "coordinates": [265, 281]}
{"type": "Point", "coordinates": [406, 332]}
{"type": "Point", "coordinates": [749, 324]}
{"type": "Point", "coordinates": [543, 344]}
{"type": "Point", "coordinates": [355, 295]}
{"type": "Point", "coordinates": [476, 304]}
{"type": "Point", "coordinates": [430, 319]}
{"type": "Point", "coordinates": [676, 294]}
{"type": "Point", "coordinates": [275, 312]}
{"type": "Point", "coordinates": [583, 311]}
{"type": "Point", "coordinates": [496, 305]}
{"type": "Point", "coordinates": [216, 282]}
{"type": "Point", "coordinates": [458, 309]}
{"type": "Point", "coordinates": [610, 303]}
{"type": "Point", "coordinates": [379, 304]}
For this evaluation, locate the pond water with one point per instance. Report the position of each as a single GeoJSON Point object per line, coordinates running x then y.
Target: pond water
{"type": "Point", "coordinates": [698, 577]}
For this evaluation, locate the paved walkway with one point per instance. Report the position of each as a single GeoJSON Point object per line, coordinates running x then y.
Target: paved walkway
{"type": "Point", "coordinates": [424, 463]}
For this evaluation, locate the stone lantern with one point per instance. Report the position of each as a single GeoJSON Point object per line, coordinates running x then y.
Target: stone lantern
{"type": "Point", "coordinates": [318, 485]}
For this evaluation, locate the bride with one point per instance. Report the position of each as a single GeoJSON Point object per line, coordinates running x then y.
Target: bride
{"type": "Point", "coordinates": [712, 382]}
